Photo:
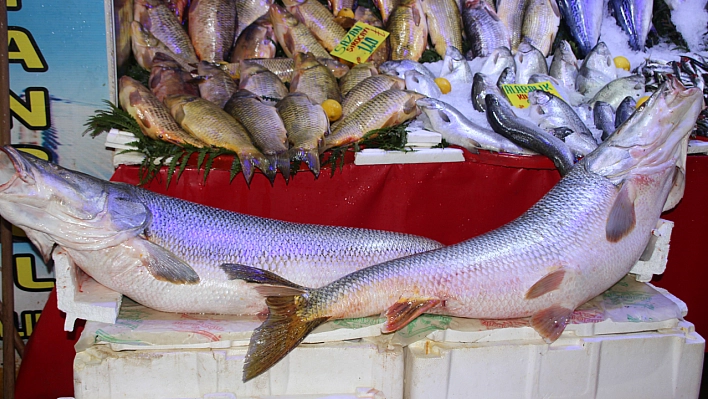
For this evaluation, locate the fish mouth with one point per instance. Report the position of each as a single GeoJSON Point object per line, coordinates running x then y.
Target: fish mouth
{"type": "Point", "coordinates": [651, 139]}
{"type": "Point", "coordinates": [12, 167]}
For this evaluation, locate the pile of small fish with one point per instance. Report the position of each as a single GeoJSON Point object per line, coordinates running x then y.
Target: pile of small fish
{"type": "Point", "coordinates": [214, 81]}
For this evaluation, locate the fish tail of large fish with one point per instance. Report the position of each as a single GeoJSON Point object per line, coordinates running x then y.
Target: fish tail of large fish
{"type": "Point", "coordinates": [281, 162]}
{"type": "Point", "coordinates": [309, 156]}
{"type": "Point", "coordinates": [289, 319]}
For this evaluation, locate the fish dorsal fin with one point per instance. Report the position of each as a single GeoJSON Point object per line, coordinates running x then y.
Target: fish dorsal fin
{"type": "Point", "coordinates": [551, 322]}
{"type": "Point", "coordinates": [165, 266]}
{"type": "Point", "coordinates": [405, 310]}
{"type": "Point", "coordinates": [549, 282]}
{"type": "Point", "coordinates": [622, 218]}
{"type": "Point", "coordinates": [274, 285]}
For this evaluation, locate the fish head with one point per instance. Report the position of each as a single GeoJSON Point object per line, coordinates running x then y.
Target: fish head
{"type": "Point", "coordinates": [57, 205]}
{"type": "Point", "coordinates": [539, 97]}
{"type": "Point", "coordinates": [600, 59]}
{"type": "Point", "coordinates": [281, 17]}
{"type": "Point", "coordinates": [305, 61]}
{"type": "Point", "coordinates": [337, 68]}
{"type": "Point", "coordinates": [437, 113]}
{"type": "Point", "coordinates": [651, 140]}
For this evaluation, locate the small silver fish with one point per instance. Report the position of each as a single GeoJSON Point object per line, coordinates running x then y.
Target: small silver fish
{"type": "Point", "coordinates": [455, 67]}
{"type": "Point", "coordinates": [419, 83]}
{"type": "Point", "coordinates": [625, 110]}
{"type": "Point", "coordinates": [500, 59]}
{"type": "Point", "coordinates": [458, 130]}
{"type": "Point", "coordinates": [604, 118]}
{"type": "Point", "coordinates": [564, 66]}
{"type": "Point", "coordinates": [529, 60]}
{"type": "Point", "coordinates": [399, 68]}
{"type": "Point", "coordinates": [615, 91]}
{"type": "Point", "coordinates": [552, 113]}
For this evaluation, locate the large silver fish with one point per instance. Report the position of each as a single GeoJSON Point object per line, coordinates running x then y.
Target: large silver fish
{"type": "Point", "coordinates": [165, 252]}
{"type": "Point", "coordinates": [455, 67]}
{"type": "Point", "coordinates": [564, 66]}
{"type": "Point", "coordinates": [581, 238]}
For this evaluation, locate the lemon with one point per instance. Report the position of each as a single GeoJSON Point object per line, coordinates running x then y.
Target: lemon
{"type": "Point", "coordinates": [622, 63]}
{"type": "Point", "coordinates": [333, 109]}
{"type": "Point", "coordinates": [346, 12]}
{"type": "Point", "coordinates": [641, 101]}
{"type": "Point", "coordinates": [443, 84]}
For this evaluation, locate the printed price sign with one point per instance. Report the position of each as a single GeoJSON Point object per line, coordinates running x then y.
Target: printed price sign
{"type": "Point", "coordinates": [518, 94]}
{"type": "Point", "coordinates": [359, 43]}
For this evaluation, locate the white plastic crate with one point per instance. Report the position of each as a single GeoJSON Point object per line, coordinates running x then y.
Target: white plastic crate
{"type": "Point", "coordinates": [338, 369]}
{"type": "Point", "coordinates": [653, 364]}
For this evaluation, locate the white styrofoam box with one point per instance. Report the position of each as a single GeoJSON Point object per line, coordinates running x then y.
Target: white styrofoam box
{"type": "Point", "coordinates": [376, 156]}
{"type": "Point", "coordinates": [659, 255]}
{"type": "Point", "coordinates": [311, 369]}
{"type": "Point", "coordinates": [360, 393]}
{"type": "Point", "coordinates": [655, 364]}
{"type": "Point", "coordinates": [119, 139]}
{"type": "Point", "coordinates": [80, 296]}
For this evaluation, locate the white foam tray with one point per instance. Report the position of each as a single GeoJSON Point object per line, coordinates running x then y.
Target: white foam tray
{"type": "Point", "coordinates": [658, 364]}
{"type": "Point", "coordinates": [316, 370]}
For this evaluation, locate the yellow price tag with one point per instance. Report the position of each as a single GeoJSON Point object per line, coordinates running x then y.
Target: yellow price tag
{"type": "Point", "coordinates": [359, 43]}
{"type": "Point", "coordinates": [518, 94]}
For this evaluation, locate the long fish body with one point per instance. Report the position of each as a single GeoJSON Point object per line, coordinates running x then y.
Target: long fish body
{"type": "Point", "coordinates": [576, 242]}
{"type": "Point", "coordinates": [165, 252]}
{"type": "Point", "coordinates": [409, 31]}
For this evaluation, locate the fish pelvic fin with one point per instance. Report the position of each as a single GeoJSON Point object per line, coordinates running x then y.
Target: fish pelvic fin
{"type": "Point", "coordinates": [284, 329]}
{"type": "Point", "coordinates": [405, 310]}
{"type": "Point", "coordinates": [550, 322]}
{"type": "Point", "coordinates": [549, 282]}
{"type": "Point", "coordinates": [288, 322]}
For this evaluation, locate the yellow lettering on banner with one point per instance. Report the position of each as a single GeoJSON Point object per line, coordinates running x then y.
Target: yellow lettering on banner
{"type": "Point", "coordinates": [26, 275]}
{"type": "Point", "coordinates": [29, 320]}
{"type": "Point", "coordinates": [14, 5]}
{"type": "Point", "coordinates": [34, 113]}
{"type": "Point", "coordinates": [517, 93]}
{"type": "Point", "coordinates": [22, 49]}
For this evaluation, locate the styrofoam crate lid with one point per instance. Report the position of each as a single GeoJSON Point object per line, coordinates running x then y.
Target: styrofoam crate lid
{"type": "Point", "coordinates": [628, 306]}
{"type": "Point", "coordinates": [376, 156]}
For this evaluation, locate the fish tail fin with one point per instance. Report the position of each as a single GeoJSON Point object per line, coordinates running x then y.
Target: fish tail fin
{"type": "Point", "coordinates": [288, 322]}
{"type": "Point", "coordinates": [247, 163]}
{"type": "Point", "coordinates": [269, 166]}
{"type": "Point", "coordinates": [284, 165]}
{"type": "Point", "coordinates": [311, 158]}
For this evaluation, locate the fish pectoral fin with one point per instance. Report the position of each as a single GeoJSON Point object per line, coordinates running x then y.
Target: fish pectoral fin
{"type": "Point", "coordinates": [622, 218]}
{"type": "Point", "coordinates": [405, 310]}
{"type": "Point", "coordinates": [282, 331]}
{"type": "Point", "coordinates": [165, 266]}
{"type": "Point", "coordinates": [273, 285]}
{"type": "Point", "coordinates": [550, 322]}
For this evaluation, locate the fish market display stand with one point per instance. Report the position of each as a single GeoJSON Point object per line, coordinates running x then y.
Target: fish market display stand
{"type": "Point", "coordinates": [630, 341]}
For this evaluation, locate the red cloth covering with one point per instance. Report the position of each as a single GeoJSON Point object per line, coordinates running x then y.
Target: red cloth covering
{"type": "Point", "coordinates": [448, 202]}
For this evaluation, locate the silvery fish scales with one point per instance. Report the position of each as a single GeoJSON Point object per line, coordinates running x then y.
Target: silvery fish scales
{"type": "Point", "coordinates": [150, 113]}
{"type": "Point", "coordinates": [307, 124]}
{"type": "Point", "coordinates": [212, 27]}
{"type": "Point", "coordinates": [165, 252]}
{"type": "Point", "coordinates": [582, 237]}
{"type": "Point", "coordinates": [368, 89]}
{"type": "Point", "coordinates": [485, 31]}
{"type": "Point", "coordinates": [408, 31]}
{"type": "Point", "coordinates": [444, 24]}
{"type": "Point", "coordinates": [163, 24]}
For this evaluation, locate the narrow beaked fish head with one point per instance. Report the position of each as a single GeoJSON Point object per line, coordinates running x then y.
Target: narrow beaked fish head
{"type": "Point", "coordinates": [650, 140]}
{"type": "Point", "coordinates": [57, 205]}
